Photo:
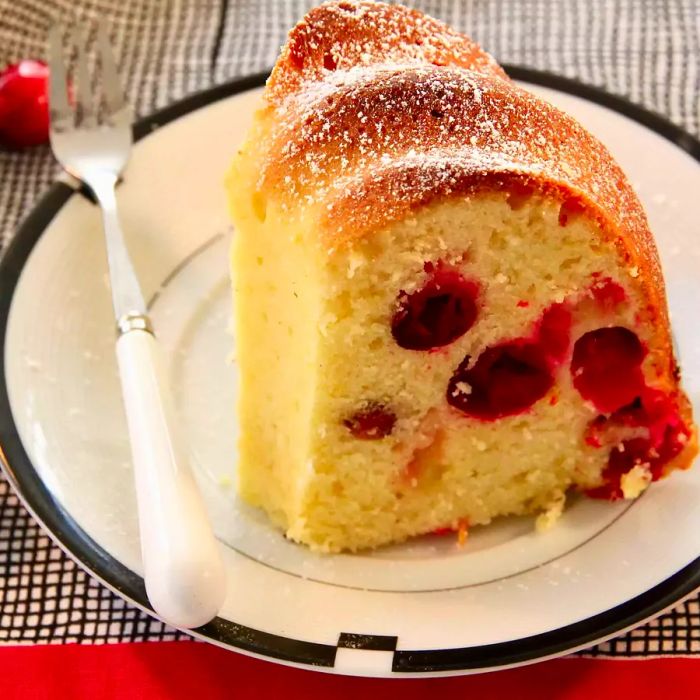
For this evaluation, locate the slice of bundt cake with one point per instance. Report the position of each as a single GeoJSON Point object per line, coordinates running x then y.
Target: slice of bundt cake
{"type": "Point", "coordinates": [448, 302]}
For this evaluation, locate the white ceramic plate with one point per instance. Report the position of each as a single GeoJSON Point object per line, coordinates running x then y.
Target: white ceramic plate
{"type": "Point", "coordinates": [509, 597]}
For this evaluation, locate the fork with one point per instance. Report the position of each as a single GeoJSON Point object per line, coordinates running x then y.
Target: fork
{"type": "Point", "coordinates": [183, 569]}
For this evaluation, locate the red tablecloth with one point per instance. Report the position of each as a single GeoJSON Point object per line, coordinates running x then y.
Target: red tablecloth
{"type": "Point", "coordinates": [173, 670]}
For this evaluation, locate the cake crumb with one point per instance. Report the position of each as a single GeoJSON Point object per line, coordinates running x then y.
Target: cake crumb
{"type": "Point", "coordinates": [462, 532]}
{"type": "Point", "coordinates": [225, 481]}
{"type": "Point", "coordinates": [355, 262]}
{"type": "Point", "coordinates": [549, 517]}
{"type": "Point", "coordinates": [326, 321]}
{"type": "Point", "coordinates": [635, 481]}
{"type": "Point", "coordinates": [462, 388]}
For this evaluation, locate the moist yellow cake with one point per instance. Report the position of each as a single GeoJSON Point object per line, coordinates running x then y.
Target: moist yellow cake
{"type": "Point", "coordinates": [448, 302]}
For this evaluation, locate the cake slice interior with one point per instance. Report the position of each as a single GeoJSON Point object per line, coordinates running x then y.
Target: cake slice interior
{"type": "Point", "coordinates": [479, 358]}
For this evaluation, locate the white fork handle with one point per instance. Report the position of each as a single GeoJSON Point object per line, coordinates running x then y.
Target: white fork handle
{"type": "Point", "coordinates": [184, 572]}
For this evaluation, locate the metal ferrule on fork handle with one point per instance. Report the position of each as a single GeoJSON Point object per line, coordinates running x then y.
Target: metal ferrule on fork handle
{"type": "Point", "coordinates": [134, 321]}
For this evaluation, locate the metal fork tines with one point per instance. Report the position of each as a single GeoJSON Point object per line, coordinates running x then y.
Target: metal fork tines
{"type": "Point", "coordinates": [91, 138]}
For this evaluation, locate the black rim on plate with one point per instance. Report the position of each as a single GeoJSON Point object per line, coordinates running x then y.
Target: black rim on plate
{"type": "Point", "coordinates": [59, 523]}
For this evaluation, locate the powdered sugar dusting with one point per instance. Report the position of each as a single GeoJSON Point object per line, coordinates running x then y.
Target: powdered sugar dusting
{"type": "Point", "coordinates": [376, 109]}
{"type": "Point", "coordinates": [342, 35]}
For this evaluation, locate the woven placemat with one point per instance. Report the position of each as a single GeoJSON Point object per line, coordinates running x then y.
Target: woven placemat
{"type": "Point", "coordinates": [645, 50]}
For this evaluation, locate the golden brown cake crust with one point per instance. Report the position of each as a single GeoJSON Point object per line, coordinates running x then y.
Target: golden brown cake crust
{"type": "Point", "coordinates": [407, 110]}
{"type": "Point", "coordinates": [341, 35]}
{"type": "Point", "coordinates": [375, 110]}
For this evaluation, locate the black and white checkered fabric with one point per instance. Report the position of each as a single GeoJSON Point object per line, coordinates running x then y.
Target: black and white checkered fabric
{"type": "Point", "coordinates": [646, 50]}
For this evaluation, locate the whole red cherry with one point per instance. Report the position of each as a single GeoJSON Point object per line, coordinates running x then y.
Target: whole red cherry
{"type": "Point", "coordinates": [24, 106]}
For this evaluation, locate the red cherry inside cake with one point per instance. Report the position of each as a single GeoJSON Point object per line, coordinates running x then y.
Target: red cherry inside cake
{"type": "Point", "coordinates": [438, 313]}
